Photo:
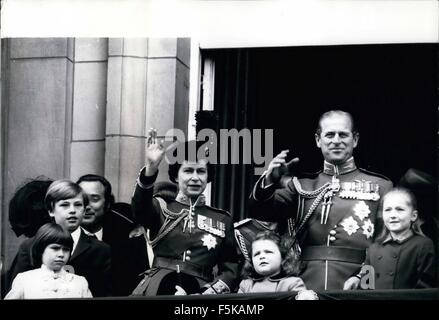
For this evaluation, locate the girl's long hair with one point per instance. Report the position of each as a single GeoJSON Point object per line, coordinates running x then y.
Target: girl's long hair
{"type": "Point", "coordinates": [289, 266]}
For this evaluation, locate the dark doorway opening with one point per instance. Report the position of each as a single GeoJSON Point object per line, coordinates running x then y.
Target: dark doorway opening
{"type": "Point", "coordinates": [391, 90]}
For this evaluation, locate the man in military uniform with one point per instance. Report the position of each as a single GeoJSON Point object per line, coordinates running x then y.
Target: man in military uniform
{"type": "Point", "coordinates": [333, 213]}
{"type": "Point", "coordinates": [187, 236]}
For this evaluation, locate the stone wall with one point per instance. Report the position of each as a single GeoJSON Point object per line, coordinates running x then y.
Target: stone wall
{"type": "Point", "coordinates": [76, 106]}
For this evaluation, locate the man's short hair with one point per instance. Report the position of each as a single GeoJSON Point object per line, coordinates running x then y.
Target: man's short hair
{"type": "Point", "coordinates": [61, 190]}
{"type": "Point", "coordinates": [109, 198]}
{"type": "Point", "coordinates": [340, 113]}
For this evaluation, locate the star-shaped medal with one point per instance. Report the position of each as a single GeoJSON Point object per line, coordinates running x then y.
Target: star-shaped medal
{"type": "Point", "coordinates": [361, 210]}
{"type": "Point", "coordinates": [350, 225]}
{"type": "Point", "coordinates": [209, 241]}
{"type": "Point", "coordinates": [368, 228]}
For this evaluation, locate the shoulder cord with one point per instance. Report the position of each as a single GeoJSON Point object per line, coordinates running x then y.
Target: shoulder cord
{"type": "Point", "coordinates": [318, 194]}
{"type": "Point", "coordinates": [241, 244]}
{"type": "Point", "coordinates": [166, 228]}
{"type": "Point", "coordinates": [309, 194]}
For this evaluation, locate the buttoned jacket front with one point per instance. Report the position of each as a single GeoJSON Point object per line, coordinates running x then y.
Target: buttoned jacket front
{"type": "Point", "coordinates": [201, 241]}
{"type": "Point", "coordinates": [351, 220]}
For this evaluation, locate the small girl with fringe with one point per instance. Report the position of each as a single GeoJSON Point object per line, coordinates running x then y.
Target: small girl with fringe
{"type": "Point", "coordinates": [273, 266]}
{"type": "Point", "coordinates": [51, 250]}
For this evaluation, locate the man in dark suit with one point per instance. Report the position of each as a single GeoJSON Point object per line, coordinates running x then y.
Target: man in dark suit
{"type": "Point", "coordinates": [112, 223]}
{"type": "Point", "coordinates": [90, 258]}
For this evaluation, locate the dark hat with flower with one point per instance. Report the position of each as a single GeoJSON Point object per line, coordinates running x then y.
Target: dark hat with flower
{"type": "Point", "coordinates": [191, 151]}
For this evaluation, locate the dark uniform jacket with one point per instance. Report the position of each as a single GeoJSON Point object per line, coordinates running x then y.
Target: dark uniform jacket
{"type": "Point", "coordinates": [129, 257]}
{"type": "Point", "coordinates": [91, 259]}
{"type": "Point", "coordinates": [246, 231]}
{"type": "Point", "coordinates": [406, 264]}
{"type": "Point", "coordinates": [196, 238]}
{"type": "Point", "coordinates": [333, 237]}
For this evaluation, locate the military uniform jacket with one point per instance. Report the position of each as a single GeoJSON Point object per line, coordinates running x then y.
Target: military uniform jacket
{"type": "Point", "coordinates": [197, 243]}
{"type": "Point", "coordinates": [333, 231]}
{"type": "Point", "coordinates": [129, 256]}
{"type": "Point", "coordinates": [246, 231]}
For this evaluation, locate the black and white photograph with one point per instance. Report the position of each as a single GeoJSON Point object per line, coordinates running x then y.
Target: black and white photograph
{"type": "Point", "coordinates": [220, 151]}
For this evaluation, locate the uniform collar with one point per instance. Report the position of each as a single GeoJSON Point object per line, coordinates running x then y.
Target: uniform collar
{"type": "Point", "coordinates": [201, 200]}
{"type": "Point", "coordinates": [335, 170]}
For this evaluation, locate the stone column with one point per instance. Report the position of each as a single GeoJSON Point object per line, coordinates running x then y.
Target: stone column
{"type": "Point", "coordinates": [55, 112]}
{"type": "Point", "coordinates": [36, 107]}
{"type": "Point", "coordinates": [86, 152]}
{"type": "Point", "coordinates": [148, 87]}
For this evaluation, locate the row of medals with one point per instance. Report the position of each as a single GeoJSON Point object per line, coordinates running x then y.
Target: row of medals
{"type": "Point", "coordinates": [360, 190]}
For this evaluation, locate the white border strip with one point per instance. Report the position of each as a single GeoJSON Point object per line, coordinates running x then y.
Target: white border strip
{"type": "Point", "coordinates": [222, 24]}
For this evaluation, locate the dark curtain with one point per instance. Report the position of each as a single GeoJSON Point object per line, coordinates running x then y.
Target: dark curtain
{"type": "Point", "coordinates": [233, 182]}
{"type": "Point", "coordinates": [391, 90]}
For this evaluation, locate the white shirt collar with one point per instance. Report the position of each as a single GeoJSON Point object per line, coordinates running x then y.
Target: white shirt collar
{"type": "Point", "coordinates": [75, 235]}
{"type": "Point", "coordinates": [99, 234]}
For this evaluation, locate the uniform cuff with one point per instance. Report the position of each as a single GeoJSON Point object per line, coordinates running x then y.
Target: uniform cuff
{"type": "Point", "coordinates": [262, 192]}
{"type": "Point", "coordinates": [220, 287]}
{"type": "Point", "coordinates": [146, 182]}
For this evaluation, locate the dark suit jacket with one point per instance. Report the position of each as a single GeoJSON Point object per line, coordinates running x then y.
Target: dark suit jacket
{"type": "Point", "coordinates": [129, 254]}
{"type": "Point", "coordinates": [91, 259]}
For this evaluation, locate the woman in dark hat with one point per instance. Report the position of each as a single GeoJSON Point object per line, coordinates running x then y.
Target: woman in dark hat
{"type": "Point", "coordinates": [27, 211]}
{"type": "Point", "coordinates": [188, 237]}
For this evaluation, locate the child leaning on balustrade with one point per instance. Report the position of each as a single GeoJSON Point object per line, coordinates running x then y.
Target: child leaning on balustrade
{"type": "Point", "coordinates": [273, 267]}
{"type": "Point", "coordinates": [51, 250]}
{"type": "Point", "coordinates": [402, 256]}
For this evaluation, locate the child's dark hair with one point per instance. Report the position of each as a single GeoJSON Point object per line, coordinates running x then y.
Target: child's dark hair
{"type": "Point", "coordinates": [48, 234]}
{"type": "Point", "coordinates": [290, 264]}
{"type": "Point", "coordinates": [416, 228]}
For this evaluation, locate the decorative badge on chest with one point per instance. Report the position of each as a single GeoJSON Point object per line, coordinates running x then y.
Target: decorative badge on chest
{"type": "Point", "coordinates": [360, 189]}
{"type": "Point", "coordinates": [209, 241]}
{"type": "Point", "coordinates": [214, 227]}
